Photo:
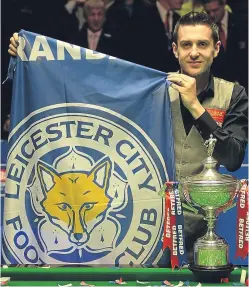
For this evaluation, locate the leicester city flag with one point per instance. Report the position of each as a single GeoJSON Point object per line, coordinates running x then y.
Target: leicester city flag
{"type": "Point", "coordinates": [90, 146]}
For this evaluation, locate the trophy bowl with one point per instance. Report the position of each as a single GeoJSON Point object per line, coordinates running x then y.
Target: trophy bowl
{"type": "Point", "coordinates": [210, 192]}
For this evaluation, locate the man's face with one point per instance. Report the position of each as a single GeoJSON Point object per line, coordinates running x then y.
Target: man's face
{"type": "Point", "coordinates": [195, 49]}
{"type": "Point", "coordinates": [215, 10]}
{"type": "Point", "coordinates": [95, 19]}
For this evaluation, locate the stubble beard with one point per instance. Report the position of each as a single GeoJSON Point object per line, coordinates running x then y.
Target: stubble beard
{"type": "Point", "coordinates": [202, 71]}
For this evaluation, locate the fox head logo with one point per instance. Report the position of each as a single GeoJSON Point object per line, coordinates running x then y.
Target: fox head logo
{"type": "Point", "coordinates": [75, 201]}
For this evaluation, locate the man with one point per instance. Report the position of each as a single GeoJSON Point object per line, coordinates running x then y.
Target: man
{"type": "Point", "coordinates": [196, 44]}
{"type": "Point", "coordinates": [149, 39]}
{"type": "Point", "coordinates": [93, 34]}
{"type": "Point", "coordinates": [196, 98]}
{"type": "Point", "coordinates": [233, 34]}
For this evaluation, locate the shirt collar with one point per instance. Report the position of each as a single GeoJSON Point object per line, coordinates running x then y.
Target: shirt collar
{"type": "Point", "coordinates": [209, 91]}
{"type": "Point", "coordinates": [91, 33]}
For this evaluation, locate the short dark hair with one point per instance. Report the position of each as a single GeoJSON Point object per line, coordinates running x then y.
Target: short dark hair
{"type": "Point", "coordinates": [196, 18]}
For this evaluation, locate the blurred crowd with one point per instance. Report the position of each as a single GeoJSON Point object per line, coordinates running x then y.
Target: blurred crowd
{"type": "Point", "coordinates": [139, 31]}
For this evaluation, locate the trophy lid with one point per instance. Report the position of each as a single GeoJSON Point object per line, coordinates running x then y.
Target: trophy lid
{"type": "Point", "coordinates": [209, 175]}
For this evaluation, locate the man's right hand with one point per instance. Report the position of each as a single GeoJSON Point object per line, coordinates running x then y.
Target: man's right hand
{"type": "Point", "coordinates": [13, 45]}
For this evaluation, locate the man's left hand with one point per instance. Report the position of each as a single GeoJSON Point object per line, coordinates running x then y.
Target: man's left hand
{"type": "Point", "coordinates": [186, 86]}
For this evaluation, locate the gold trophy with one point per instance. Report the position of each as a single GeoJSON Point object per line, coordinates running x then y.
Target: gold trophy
{"type": "Point", "coordinates": [210, 191]}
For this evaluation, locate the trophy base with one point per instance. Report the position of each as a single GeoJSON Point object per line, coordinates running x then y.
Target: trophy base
{"type": "Point", "coordinates": [211, 274]}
